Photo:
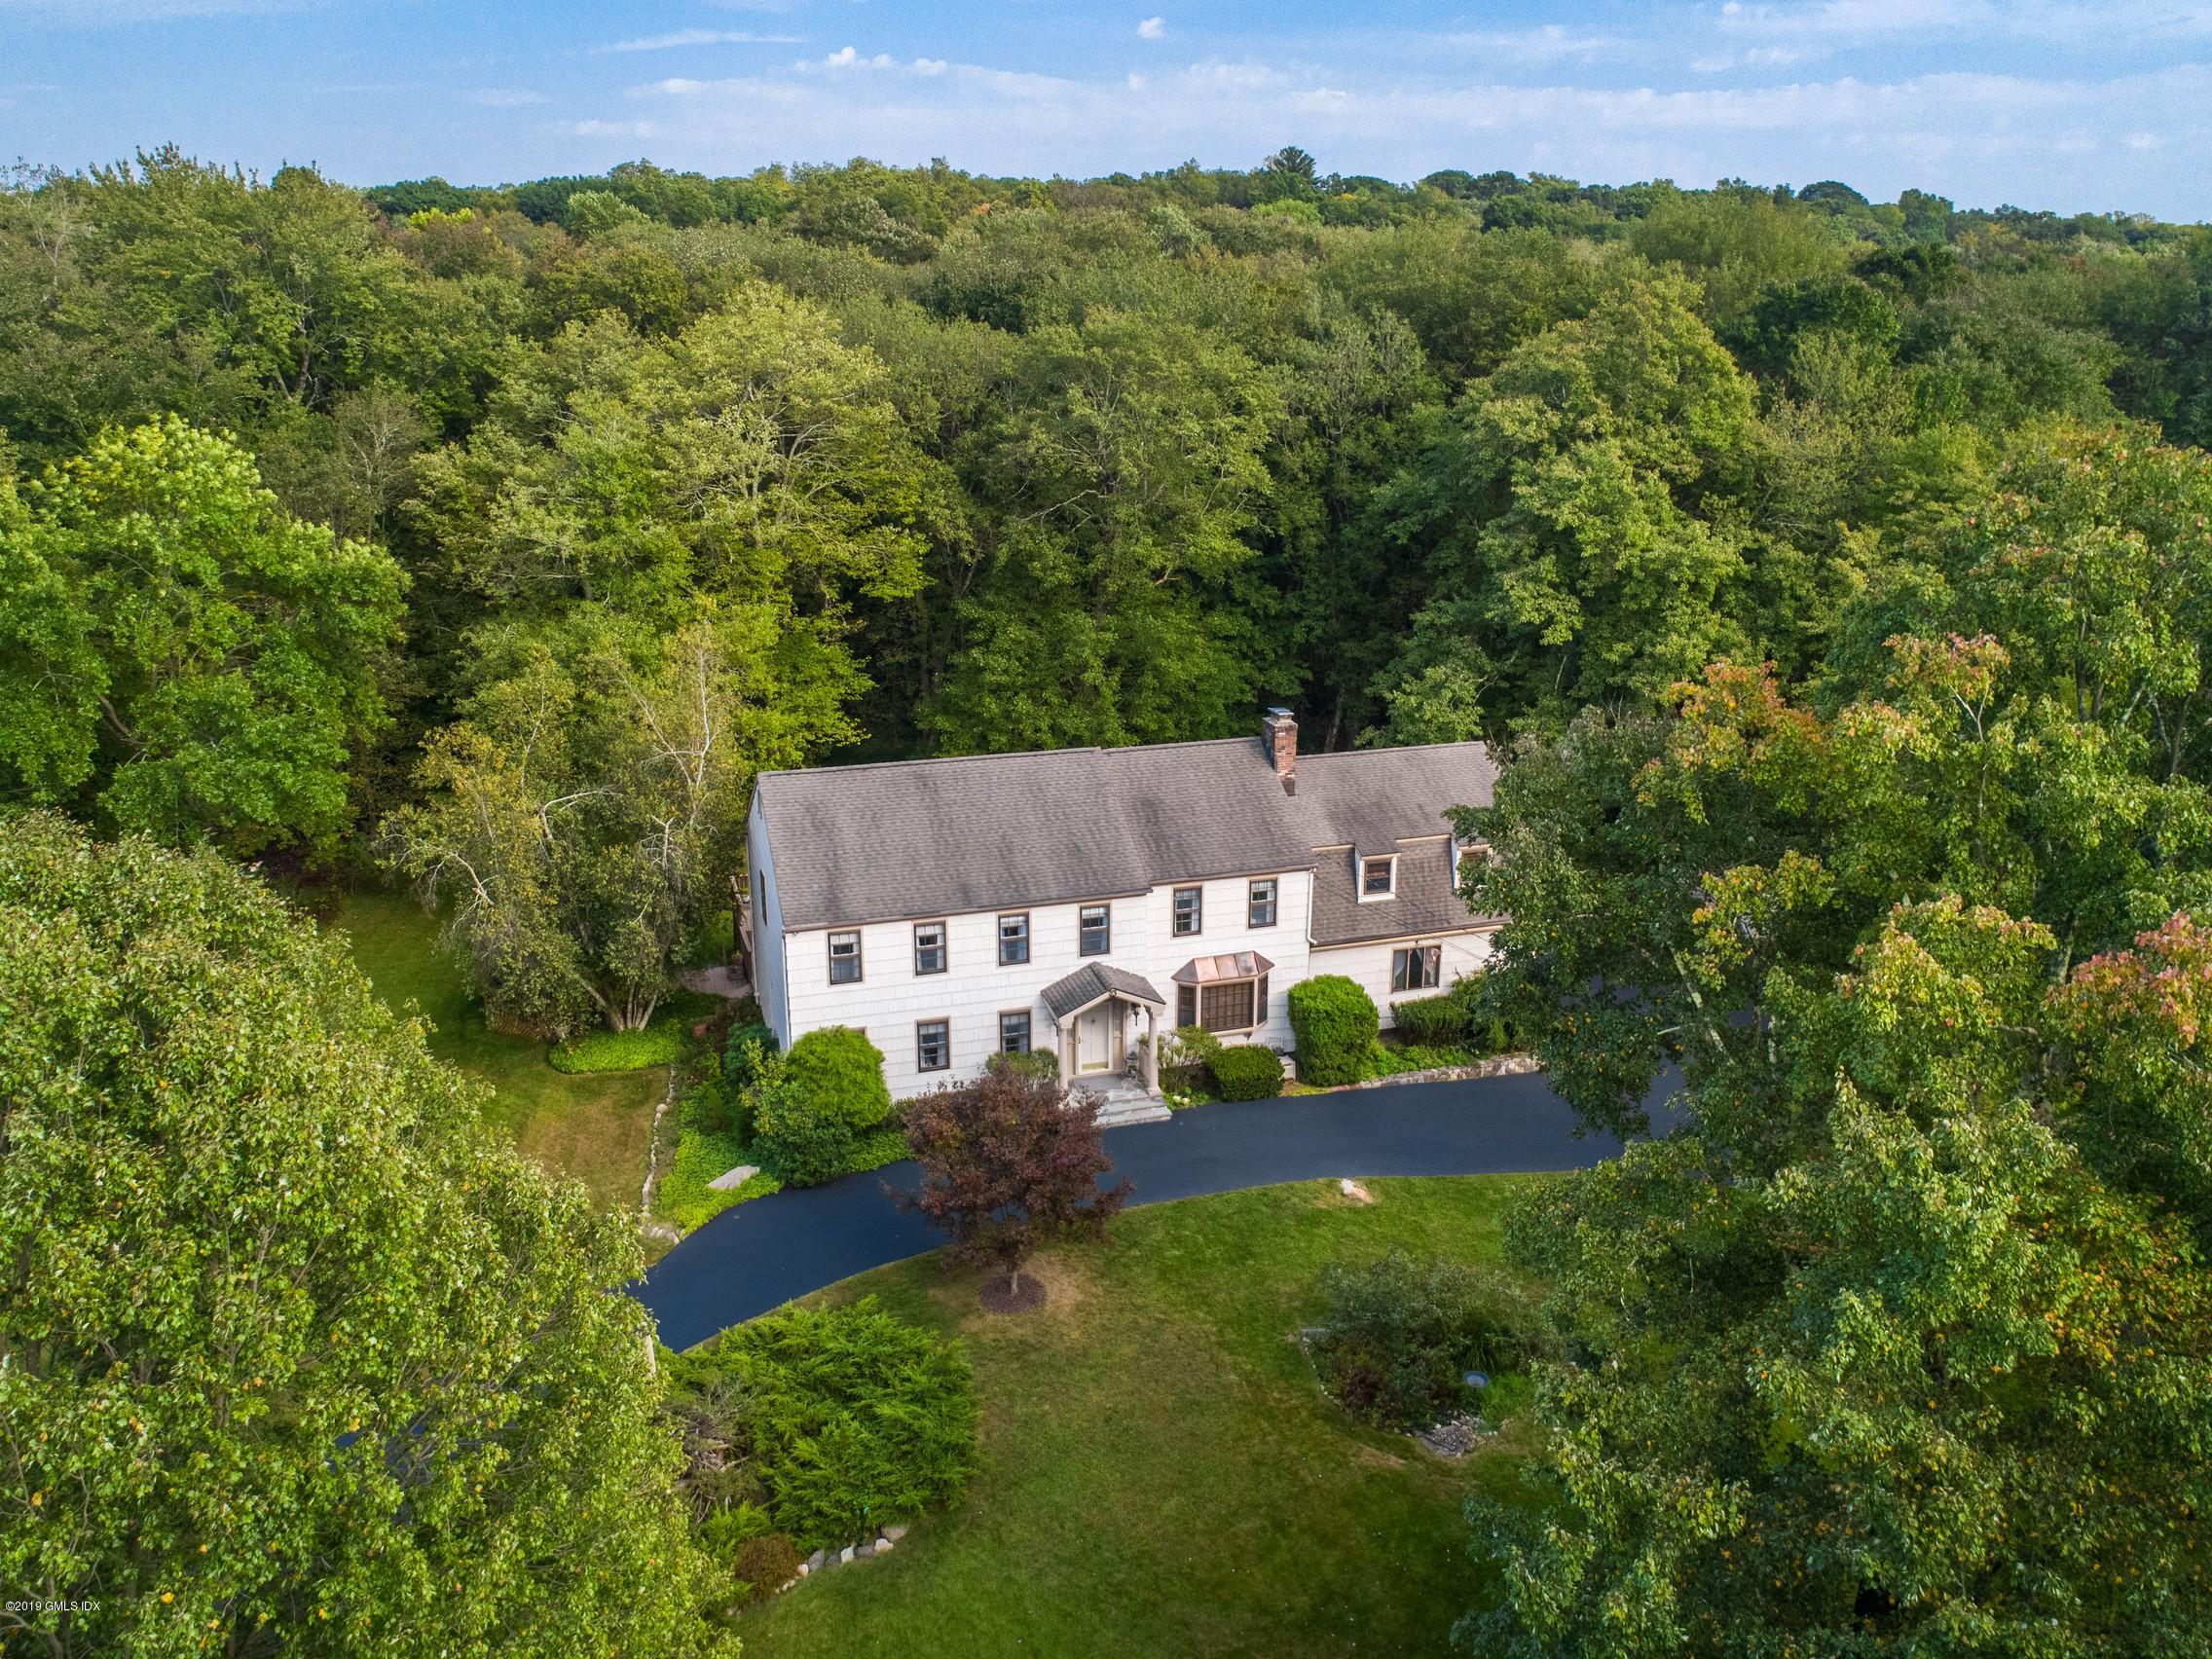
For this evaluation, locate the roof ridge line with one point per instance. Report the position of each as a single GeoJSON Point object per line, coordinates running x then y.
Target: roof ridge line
{"type": "Point", "coordinates": [931, 760]}
{"type": "Point", "coordinates": [1397, 749]}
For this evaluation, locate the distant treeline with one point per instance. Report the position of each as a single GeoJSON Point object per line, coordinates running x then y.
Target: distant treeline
{"type": "Point", "coordinates": [912, 461]}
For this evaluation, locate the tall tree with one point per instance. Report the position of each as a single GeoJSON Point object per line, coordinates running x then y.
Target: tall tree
{"type": "Point", "coordinates": [1117, 601]}
{"type": "Point", "coordinates": [584, 815]}
{"type": "Point", "coordinates": [293, 1358]}
{"type": "Point", "coordinates": [182, 653]}
{"type": "Point", "coordinates": [1933, 1201]}
{"type": "Point", "coordinates": [1921, 1383]}
{"type": "Point", "coordinates": [1571, 511]}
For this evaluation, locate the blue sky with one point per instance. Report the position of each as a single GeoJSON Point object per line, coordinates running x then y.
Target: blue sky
{"type": "Point", "coordinates": [2048, 103]}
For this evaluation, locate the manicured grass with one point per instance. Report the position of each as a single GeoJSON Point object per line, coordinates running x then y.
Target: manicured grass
{"type": "Point", "coordinates": [593, 1126]}
{"type": "Point", "coordinates": [1161, 1473]}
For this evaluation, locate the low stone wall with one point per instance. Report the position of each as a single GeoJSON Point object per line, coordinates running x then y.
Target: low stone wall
{"type": "Point", "coordinates": [1498, 1065]}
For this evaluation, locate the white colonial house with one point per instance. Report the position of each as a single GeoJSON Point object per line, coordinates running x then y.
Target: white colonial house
{"type": "Point", "coordinates": [1086, 899]}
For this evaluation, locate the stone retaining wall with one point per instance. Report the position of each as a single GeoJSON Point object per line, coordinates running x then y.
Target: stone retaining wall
{"type": "Point", "coordinates": [1498, 1065]}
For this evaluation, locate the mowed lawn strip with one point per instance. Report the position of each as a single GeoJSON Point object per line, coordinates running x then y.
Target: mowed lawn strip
{"type": "Point", "coordinates": [593, 1127]}
{"type": "Point", "coordinates": [1161, 1473]}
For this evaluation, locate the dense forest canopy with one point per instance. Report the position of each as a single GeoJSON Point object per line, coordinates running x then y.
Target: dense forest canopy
{"type": "Point", "coordinates": [509, 530]}
{"type": "Point", "coordinates": [1832, 573]}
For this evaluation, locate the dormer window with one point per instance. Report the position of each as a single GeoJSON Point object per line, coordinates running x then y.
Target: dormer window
{"type": "Point", "coordinates": [1379, 876]}
{"type": "Point", "coordinates": [1465, 853]}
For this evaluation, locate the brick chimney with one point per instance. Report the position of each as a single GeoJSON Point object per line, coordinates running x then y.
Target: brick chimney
{"type": "Point", "coordinates": [1278, 737]}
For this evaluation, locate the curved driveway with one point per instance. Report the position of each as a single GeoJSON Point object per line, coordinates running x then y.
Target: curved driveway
{"type": "Point", "coordinates": [759, 1255]}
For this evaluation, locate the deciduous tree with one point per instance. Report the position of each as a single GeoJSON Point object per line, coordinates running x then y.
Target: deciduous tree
{"type": "Point", "coordinates": [179, 651]}
{"type": "Point", "coordinates": [1009, 1162]}
{"type": "Point", "coordinates": [294, 1356]}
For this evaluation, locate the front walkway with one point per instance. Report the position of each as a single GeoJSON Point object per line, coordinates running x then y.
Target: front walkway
{"type": "Point", "coordinates": [762, 1253]}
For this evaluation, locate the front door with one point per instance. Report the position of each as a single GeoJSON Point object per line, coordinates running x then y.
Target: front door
{"type": "Point", "coordinates": [1094, 1040]}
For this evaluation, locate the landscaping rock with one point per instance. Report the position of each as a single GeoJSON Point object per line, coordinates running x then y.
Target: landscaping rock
{"type": "Point", "coordinates": [1454, 1437]}
{"type": "Point", "coordinates": [813, 1562]}
{"type": "Point", "coordinates": [737, 1177]}
{"type": "Point", "coordinates": [865, 1550]}
{"type": "Point", "coordinates": [803, 1571]}
{"type": "Point", "coordinates": [662, 1232]}
{"type": "Point", "coordinates": [895, 1533]}
{"type": "Point", "coordinates": [845, 1554]}
{"type": "Point", "coordinates": [881, 1545]}
{"type": "Point", "coordinates": [1354, 1191]}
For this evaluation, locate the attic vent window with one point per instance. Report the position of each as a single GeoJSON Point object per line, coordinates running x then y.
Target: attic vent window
{"type": "Point", "coordinates": [1378, 877]}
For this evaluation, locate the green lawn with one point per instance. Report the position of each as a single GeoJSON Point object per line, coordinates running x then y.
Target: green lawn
{"type": "Point", "coordinates": [593, 1127]}
{"type": "Point", "coordinates": [1161, 1474]}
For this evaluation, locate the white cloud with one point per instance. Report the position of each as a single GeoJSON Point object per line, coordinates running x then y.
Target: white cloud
{"type": "Point", "coordinates": [699, 37]}
{"type": "Point", "coordinates": [1552, 42]}
{"type": "Point", "coordinates": [505, 97]}
{"type": "Point", "coordinates": [930, 65]}
{"type": "Point", "coordinates": [1153, 28]}
{"type": "Point", "coordinates": [614, 128]}
{"type": "Point", "coordinates": [1870, 22]}
{"type": "Point", "coordinates": [1980, 138]}
{"type": "Point", "coordinates": [847, 58]}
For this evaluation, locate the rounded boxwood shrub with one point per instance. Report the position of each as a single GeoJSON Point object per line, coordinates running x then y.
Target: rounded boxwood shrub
{"type": "Point", "coordinates": [1336, 1025]}
{"type": "Point", "coordinates": [841, 1074]}
{"type": "Point", "coordinates": [802, 1144]}
{"type": "Point", "coordinates": [809, 1111]}
{"type": "Point", "coordinates": [1247, 1073]}
{"type": "Point", "coordinates": [1439, 1023]}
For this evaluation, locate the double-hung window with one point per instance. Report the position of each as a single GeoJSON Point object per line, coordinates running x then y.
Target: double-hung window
{"type": "Point", "coordinates": [844, 959]}
{"type": "Point", "coordinates": [1014, 1031]}
{"type": "Point", "coordinates": [1260, 905]}
{"type": "Point", "coordinates": [1377, 877]}
{"type": "Point", "coordinates": [1014, 938]}
{"type": "Point", "coordinates": [1095, 930]}
{"type": "Point", "coordinates": [929, 947]}
{"type": "Point", "coordinates": [1420, 967]}
{"type": "Point", "coordinates": [1190, 911]}
{"type": "Point", "coordinates": [933, 1045]}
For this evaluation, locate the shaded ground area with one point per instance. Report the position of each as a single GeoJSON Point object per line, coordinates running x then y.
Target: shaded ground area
{"type": "Point", "coordinates": [1161, 1472]}
{"type": "Point", "coordinates": [594, 1127]}
{"type": "Point", "coordinates": [764, 1253]}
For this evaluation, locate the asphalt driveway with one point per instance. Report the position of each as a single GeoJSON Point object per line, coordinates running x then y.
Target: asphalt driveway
{"type": "Point", "coordinates": [761, 1254]}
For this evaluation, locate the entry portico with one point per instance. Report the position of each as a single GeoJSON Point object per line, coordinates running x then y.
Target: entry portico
{"type": "Point", "coordinates": [1090, 1011]}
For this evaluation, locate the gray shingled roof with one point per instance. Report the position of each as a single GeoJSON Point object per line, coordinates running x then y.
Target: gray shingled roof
{"type": "Point", "coordinates": [920, 839]}
{"type": "Point", "coordinates": [1426, 901]}
{"type": "Point", "coordinates": [1094, 980]}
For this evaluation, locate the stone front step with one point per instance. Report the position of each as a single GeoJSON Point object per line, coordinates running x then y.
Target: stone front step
{"type": "Point", "coordinates": [1145, 1111]}
{"type": "Point", "coordinates": [1125, 1104]}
